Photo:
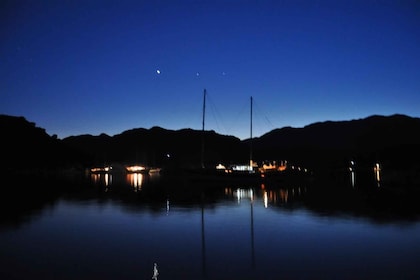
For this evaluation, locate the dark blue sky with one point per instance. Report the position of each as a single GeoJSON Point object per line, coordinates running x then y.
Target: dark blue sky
{"type": "Point", "coordinates": [90, 67]}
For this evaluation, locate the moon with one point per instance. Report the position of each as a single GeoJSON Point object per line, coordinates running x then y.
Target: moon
{"type": "Point", "coordinates": [158, 71]}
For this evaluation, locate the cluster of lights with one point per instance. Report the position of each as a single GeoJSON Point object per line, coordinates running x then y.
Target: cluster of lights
{"type": "Point", "coordinates": [135, 168]}
{"type": "Point", "coordinates": [101, 169]}
{"type": "Point", "coordinates": [266, 167]}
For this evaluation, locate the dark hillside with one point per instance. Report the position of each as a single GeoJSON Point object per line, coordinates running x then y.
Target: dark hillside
{"type": "Point", "coordinates": [26, 147]}
{"type": "Point", "coordinates": [158, 147]}
{"type": "Point", "coordinates": [394, 140]}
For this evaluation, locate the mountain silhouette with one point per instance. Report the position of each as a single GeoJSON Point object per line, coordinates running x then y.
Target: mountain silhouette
{"type": "Point", "coordinates": [25, 146]}
{"type": "Point", "coordinates": [394, 141]}
{"type": "Point", "coordinates": [391, 139]}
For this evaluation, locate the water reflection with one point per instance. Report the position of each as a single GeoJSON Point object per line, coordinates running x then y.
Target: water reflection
{"type": "Point", "coordinates": [107, 180]}
{"type": "Point", "coordinates": [374, 199]}
{"type": "Point", "coordinates": [135, 180]}
{"type": "Point", "coordinates": [375, 176]}
{"type": "Point", "coordinates": [377, 171]}
{"type": "Point", "coordinates": [352, 173]}
{"type": "Point", "coordinates": [252, 233]}
{"type": "Point", "coordinates": [203, 242]}
{"type": "Point", "coordinates": [326, 200]}
{"type": "Point", "coordinates": [102, 178]}
{"type": "Point", "coordinates": [243, 194]}
{"type": "Point", "coordinates": [282, 196]}
{"type": "Point", "coordinates": [213, 232]}
{"type": "Point", "coordinates": [270, 197]}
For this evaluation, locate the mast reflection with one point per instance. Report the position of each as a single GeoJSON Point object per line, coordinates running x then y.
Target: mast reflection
{"type": "Point", "coordinates": [244, 194]}
{"type": "Point", "coordinates": [252, 232]}
{"type": "Point", "coordinates": [203, 241]}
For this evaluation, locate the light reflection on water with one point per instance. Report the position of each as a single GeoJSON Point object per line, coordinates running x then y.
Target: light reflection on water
{"type": "Point", "coordinates": [236, 232]}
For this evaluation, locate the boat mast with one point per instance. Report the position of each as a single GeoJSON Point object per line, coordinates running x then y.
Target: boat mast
{"type": "Point", "coordinates": [202, 135]}
{"type": "Point", "coordinates": [250, 141]}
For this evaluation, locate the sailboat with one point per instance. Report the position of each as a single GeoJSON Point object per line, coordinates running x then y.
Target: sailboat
{"type": "Point", "coordinates": [235, 173]}
{"type": "Point", "coordinates": [239, 174]}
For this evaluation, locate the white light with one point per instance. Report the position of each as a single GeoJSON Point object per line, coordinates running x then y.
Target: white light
{"type": "Point", "coordinates": [265, 200]}
{"type": "Point", "coordinates": [220, 166]}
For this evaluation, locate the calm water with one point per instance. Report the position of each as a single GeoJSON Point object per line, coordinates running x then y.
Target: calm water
{"type": "Point", "coordinates": [117, 228]}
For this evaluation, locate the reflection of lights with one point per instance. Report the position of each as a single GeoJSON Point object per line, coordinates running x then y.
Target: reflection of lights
{"type": "Point", "coordinates": [238, 194]}
{"type": "Point", "coordinates": [135, 180]}
{"type": "Point", "coordinates": [108, 179]}
{"type": "Point", "coordinates": [284, 195]}
{"type": "Point", "coordinates": [352, 178]}
{"type": "Point", "coordinates": [352, 173]}
{"type": "Point", "coordinates": [167, 206]}
{"type": "Point", "coordinates": [242, 193]}
{"type": "Point", "coordinates": [95, 177]}
{"type": "Point", "coordinates": [98, 177]}
{"type": "Point", "coordinates": [281, 196]}
{"type": "Point", "coordinates": [377, 170]}
{"type": "Point", "coordinates": [229, 191]}
{"type": "Point", "coordinates": [265, 199]}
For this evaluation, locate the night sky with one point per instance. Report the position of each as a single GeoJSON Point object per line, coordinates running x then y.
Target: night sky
{"type": "Point", "coordinates": [91, 67]}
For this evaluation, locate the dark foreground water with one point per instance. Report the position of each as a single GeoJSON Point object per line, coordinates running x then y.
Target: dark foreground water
{"type": "Point", "coordinates": [116, 228]}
